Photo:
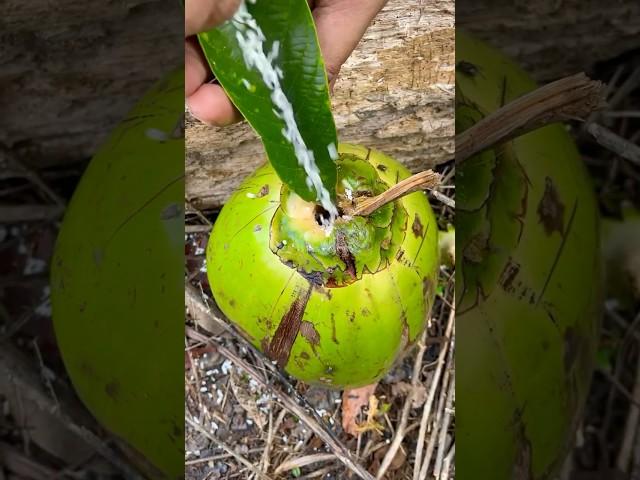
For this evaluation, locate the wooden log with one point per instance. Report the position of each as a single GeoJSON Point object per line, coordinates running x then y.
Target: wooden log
{"type": "Point", "coordinates": [553, 39]}
{"type": "Point", "coordinates": [395, 94]}
{"type": "Point", "coordinates": [72, 70]}
{"type": "Point", "coordinates": [67, 81]}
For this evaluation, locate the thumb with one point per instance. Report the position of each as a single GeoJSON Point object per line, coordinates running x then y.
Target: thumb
{"type": "Point", "coordinates": [202, 15]}
{"type": "Point", "coordinates": [340, 25]}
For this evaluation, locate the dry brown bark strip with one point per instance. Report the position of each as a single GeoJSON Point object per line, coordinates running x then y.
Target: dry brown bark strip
{"type": "Point", "coordinates": [568, 98]}
{"type": "Point", "coordinates": [288, 329]}
{"type": "Point", "coordinates": [419, 181]}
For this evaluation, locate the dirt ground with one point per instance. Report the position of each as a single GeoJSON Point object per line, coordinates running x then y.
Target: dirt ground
{"type": "Point", "coordinates": [242, 429]}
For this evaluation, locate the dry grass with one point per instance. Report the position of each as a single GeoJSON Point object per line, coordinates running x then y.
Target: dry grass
{"type": "Point", "coordinates": [608, 441]}
{"type": "Point", "coordinates": [45, 432]}
{"type": "Point", "coordinates": [245, 419]}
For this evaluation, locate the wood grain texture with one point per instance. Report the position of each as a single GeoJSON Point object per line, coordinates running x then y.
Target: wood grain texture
{"type": "Point", "coordinates": [70, 71]}
{"type": "Point", "coordinates": [395, 94]}
{"type": "Point", "coordinates": [554, 38]}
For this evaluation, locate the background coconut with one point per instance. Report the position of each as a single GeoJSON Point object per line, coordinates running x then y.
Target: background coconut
{"type": "Point", "coordinates": [529, 283]}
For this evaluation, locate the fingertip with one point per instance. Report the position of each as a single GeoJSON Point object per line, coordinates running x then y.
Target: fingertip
{"type": "Point", "coordinates": [196, 70]}
{"type": "Point", "coordinates": [202, 15]}
{"type": "Point", "coordinates": [210, 105]}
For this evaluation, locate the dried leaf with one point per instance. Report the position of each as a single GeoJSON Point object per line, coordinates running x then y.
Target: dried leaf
{"type": "Point", "coordinates": [402, 389]}
{"type": "Point", "coordinates": [371, 423]}
{"type": "Point", "coordinates": [398, 461]}
{"type": "Point", "coordinates": [352, 401]}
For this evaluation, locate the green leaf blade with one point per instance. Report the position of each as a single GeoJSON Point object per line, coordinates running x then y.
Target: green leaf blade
{"type": "Point", "coordinates": [304, 83]}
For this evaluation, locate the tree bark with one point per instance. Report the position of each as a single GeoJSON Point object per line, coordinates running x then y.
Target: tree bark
{"type": "Point", "coordinates": [72, 70]}
{"type": "Point", "coordinates": [554, 38]}
{"type": "Point", "coordinates": [395, 94]}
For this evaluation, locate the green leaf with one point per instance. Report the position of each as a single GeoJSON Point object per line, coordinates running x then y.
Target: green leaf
{"type": "Point", "coordinates": [289, 25]}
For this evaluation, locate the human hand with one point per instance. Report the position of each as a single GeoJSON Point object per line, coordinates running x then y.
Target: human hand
{"type": "Point", "coordinates": [340, 25]}
{"type": "Point", "coordinates": [206, 101]}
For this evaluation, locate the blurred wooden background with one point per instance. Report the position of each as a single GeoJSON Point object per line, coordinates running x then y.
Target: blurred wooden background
{"type": "Point", "coordinates": [65, 83]}
{"type": "Point", "coordinates": [70, 71]}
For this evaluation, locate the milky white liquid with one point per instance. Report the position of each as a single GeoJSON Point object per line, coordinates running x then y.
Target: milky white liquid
{"type": "Point", "coordinates": [251, 40]}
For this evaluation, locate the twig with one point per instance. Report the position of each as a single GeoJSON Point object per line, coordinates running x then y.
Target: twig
{"type": "Point", "coordinates": [622, 323]}
{"type": "Point", "coordinates": [436, 424]}
{"type": "Point", "coordinates": [622, 114]}
{"type": "Point", "coordinates": [340, 451]}
{"type": "Point", "coordinates": [303, 461]}
{"type": "Point", "coordinates": [197, 228]}
{"type": "Point", "coordinates": [631, 426]}
{"type": "Point", "coordinates": [419, 181]}
{"type": "Point", "coordinates": [615, 143]}
{"type": "Point", "coordinates": [634, 471]}
{"type": "Point", "coordinates": [29, 213]}
{"type": "Point", "coordinates": [449, 202]}
{"type": "Point", "coordinates": [191, 209]}
{"type": "Point", "coordinates": [568, 98]}
{"type": "Point", "coordinates": [426, 412]}
{"type": "Point", "coordinates": [443, 411]}
{"type": "Point", "coordinates": [213, 458]}
{"type": "Point", "coordinates": [620, 387]}
{"type": "Point", "coordinates": [444, 428]}
{"type": "Point", "coordinates": [567, 468]}
{"type": "Point", "coordinates": [34, 178]}
{"type": "Point", "coordinates": [43, 373]}
{"type": "Point", "coordinates": [610, 86]}
{"type": "Point", "coordinates": [272, 429]}
{"type": "Point", "coordinates": [626, 88]}
{"type": "Point", "coordinates": [446, 465]}
{"type": "Point", "coordinates": [199, 311]}
{"type": "Point", "coordinates": [23, 466]}
{"type": "Point", "coordinates": [404, 416]}
{"type": "Point", "coordinates": [225, 447]}
{"type": "Point", "coordinates": [18, 370]}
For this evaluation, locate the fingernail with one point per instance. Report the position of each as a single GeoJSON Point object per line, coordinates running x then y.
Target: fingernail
{"type": "Point", "coordinates": [192, 113]}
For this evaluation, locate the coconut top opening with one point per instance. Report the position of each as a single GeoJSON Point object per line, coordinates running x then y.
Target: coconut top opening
{"type": "Point", "coordinates": [339, 254]}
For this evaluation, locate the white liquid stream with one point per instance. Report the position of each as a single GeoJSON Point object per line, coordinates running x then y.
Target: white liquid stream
{"type": "Point", "coordinates": [251, 40]}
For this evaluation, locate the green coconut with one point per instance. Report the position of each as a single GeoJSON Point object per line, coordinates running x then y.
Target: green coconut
{"type": "Point", "coordinates": [117, 286]}
{"type": "Point", "coordinates": [527, 282]}
{"type": "Point", "coordinates": [336, 305]}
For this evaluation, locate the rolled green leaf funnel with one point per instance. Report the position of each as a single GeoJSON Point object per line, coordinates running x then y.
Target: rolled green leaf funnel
{"type": "Point", "coordinates": [267, 58]}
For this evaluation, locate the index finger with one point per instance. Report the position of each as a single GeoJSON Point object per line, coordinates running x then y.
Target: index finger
{"type": "Point", "coordinates": [202, 15]}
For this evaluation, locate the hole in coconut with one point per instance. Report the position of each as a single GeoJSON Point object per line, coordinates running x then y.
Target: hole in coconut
{"type": "Point", "coordinates": [322, 216]}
